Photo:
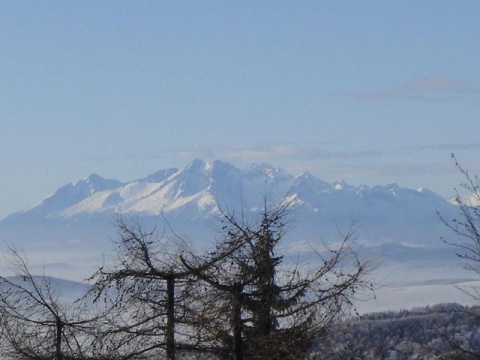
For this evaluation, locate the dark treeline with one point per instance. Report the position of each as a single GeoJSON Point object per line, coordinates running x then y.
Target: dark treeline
{"type": "Point", "coordinates": [443, 331]}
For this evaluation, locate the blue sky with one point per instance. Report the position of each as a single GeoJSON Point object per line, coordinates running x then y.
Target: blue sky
{"type": "Point", "coordinates": [366, 91]}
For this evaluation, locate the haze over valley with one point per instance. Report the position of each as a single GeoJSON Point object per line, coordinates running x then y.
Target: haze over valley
{"type": "Point", "coordinates": [69, 233]}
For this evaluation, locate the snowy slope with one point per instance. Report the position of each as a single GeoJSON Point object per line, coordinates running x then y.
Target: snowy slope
{"type": "Point", "coordinates": [198, 188]}
{"type": "Point", "coordinates": [385, 214]}
{"type": "Point", "coordinates": [394, 223]}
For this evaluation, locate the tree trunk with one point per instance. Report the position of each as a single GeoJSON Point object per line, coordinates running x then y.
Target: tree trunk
{"type": "Point", "coordinates": [58, 339]}
{"type": "Point", "coordinates": [170, 331]}
{"type": "Point", "coordinates": [237, 327]}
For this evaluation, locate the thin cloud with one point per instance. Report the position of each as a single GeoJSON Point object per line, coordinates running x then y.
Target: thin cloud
{"type": "Point", "coordinates": [392, 169]}
{"type": "Point", "coordinates": [432, 88]}
{"type": "Point", "coordinates": [290, 152]}
{"type": "Point", "coordinates": [408, 166]}
{"type": "Point", "coordinates": [351, 165]}
{"type": "Point", "coordinates": [439, 84]}
{"type": "Point", "coordinates": [279, 152]}
{"type": "Point", "coordinates": [247, 153]}
{"type": "Point", "coordinates": [452, 147]}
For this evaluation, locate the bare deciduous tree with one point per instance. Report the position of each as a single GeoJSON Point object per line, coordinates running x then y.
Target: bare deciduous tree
{"type": "Point", "coordinates": [35, 324]}
{"type": "Point", "coordinates": [149, 287]}
{"type": "Point", "coordinates": [161, 299]}
{"type": "Point", "coordinates": [263, 308]}
{"type": "Point", "coordinates": [466, 229]}
{"type": "Point", "coordinates": [150, 294]}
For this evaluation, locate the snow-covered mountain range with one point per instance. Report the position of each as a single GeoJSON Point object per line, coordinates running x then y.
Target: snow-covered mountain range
{"type": "Point", "coordinates": [384, 213]}
{"type": "Point", "coordinates": [73, 226]}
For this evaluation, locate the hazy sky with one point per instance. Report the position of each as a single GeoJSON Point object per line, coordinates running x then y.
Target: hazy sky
{"type": "Point", "coordinates": [366, 91]}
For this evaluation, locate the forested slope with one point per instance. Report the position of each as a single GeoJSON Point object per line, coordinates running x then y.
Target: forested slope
{"type": "Point", "coordinates": [444, 331]}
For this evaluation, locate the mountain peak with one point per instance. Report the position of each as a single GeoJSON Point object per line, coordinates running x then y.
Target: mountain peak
{"type": "Point", "coordinates": [266, 170]}
{"type": "Point", "coordinates": [342, 185]}
{"type": "Point", "coordinates": [196, 164]}
{"type": "Point", "coordinates": [392, 187]}
{"type": "Point", "coordinates": [74, 192]}
{"type": "Point", "coordinates": [159, 175]}
{"type": "Point", "coordinates": [95, 183]}
{"type": "Point", "coordinates": [93, 178]}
